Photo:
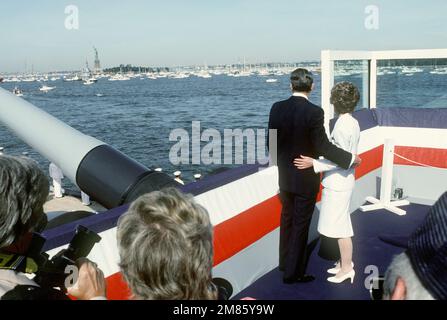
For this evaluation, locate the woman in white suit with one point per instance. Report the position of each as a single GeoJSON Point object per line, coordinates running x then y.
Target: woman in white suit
{"type": "Point", "coordinates": [335, 220]}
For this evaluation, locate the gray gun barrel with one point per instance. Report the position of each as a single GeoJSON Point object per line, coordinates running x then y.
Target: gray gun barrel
{"type": "Point", "coordinates": [107, 175]}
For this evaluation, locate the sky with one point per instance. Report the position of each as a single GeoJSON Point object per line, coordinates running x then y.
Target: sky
{"type": "Point", "coordinates": [198, 32]}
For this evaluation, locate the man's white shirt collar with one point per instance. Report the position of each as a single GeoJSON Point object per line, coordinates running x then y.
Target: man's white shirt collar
{"type": "Point", "coordinates": [299, 94]}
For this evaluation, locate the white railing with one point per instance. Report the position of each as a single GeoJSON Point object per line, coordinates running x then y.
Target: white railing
{"type": "Point", "coordinates": [370, 58]}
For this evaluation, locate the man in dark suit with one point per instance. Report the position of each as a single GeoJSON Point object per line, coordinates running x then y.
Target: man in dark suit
{"type": "Point", "coordinates": [300, 130]}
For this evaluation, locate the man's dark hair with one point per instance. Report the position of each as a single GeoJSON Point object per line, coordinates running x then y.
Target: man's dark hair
{"type": "Point", "coordinates": [301, 80]}
{"type": "Point", "coordinates": [344, 97]}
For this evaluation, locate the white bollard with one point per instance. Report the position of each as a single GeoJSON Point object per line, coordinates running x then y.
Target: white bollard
{"type": "Point", "coordinates": [386, 185]}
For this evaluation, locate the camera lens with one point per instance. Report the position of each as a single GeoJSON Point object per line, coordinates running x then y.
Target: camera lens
{"type": "Point", "coordinates": [224, 287]}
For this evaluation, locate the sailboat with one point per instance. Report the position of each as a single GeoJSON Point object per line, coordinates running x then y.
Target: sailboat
{"type": "Point", "coordinates": [438, 70]}
{"type": "Point", "coordinates": [119, 76]}
{"type": "Point", "coordinates": [87, 76]}
{"type": "Point", "coordinates": [203, 74]}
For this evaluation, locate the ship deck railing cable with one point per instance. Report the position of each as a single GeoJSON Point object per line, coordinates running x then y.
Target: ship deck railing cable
{"type": "Point", "coordinates": [417, 163]}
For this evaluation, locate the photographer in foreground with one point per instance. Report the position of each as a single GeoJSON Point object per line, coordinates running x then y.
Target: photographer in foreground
{"type": "Point", "coordinates": [23, 192]}
{"type": "Point", "coordinates": [420, 273]}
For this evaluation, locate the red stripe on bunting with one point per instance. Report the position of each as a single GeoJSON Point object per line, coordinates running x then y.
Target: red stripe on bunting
{"type": "Point", "coordinates": [236, 233]}
{"type": "Point", "coordinates": [117, 288]}
{"type": "Point", "coordinates": [427, 156]}
{"type": "Point", "coordinates": [371, 160]}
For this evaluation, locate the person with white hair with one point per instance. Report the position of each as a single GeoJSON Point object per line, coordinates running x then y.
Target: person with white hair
{"type": "Point", "coordinates": [23, 192]}
{"type": "Point", "coordinates": [420, 273]}
{"type": "Point", "coordinates": [402, 282]}
{"type": "Point", "coordinates": [166, 248]}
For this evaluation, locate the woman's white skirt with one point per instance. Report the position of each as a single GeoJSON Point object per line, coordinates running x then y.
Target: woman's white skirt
{"type": "Point", "coordinates": [335, 219]}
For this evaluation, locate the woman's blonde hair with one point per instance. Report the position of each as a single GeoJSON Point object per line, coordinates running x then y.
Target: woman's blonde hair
{"type": "Point", "coordinates": [165, 247]}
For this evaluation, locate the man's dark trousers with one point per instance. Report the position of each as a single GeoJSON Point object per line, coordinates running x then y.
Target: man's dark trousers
{"type": "Point", "coordinates": [296, 216]}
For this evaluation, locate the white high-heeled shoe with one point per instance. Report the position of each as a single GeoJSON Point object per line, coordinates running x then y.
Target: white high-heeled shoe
{"type": "Point", "coordinates": [335, 270]}
{"type": "Point", "coordinates": [349, 275]}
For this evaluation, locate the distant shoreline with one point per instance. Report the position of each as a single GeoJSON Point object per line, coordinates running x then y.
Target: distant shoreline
{"type": "Point", "coordinates": [128, 68]}
{"type": "Point", "coordinates": [155, 69]}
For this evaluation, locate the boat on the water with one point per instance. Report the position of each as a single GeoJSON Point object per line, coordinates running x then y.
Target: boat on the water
{"type": "Point", "coordinates": [179, 75]}
{"type": "Point", "coordinates": [203, 74]}
{"type": "Point", "coordinates": [440, 71]}
{"type": "Point", "coordinates": [17, 92]}
{"type": "Point", "coordinates": [119, 77]}
{"type": "Point", "coordinates": [90, 81]}
{"type": "Point", "coordinates": [411, 70]}
{"type": "Point", "coordinates": [72, 78]}
{"type": "Point", "coordinates": [46, 88]}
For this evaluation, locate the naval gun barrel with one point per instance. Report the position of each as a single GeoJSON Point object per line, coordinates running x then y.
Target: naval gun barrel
{"type": "Point", "coordinates": [104, 173]}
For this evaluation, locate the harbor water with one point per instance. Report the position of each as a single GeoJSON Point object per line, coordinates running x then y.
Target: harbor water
{"type": "Point", "coordinates": [137, 116]}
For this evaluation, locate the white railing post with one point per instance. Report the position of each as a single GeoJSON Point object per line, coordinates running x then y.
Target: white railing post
{"type": "Point", "coordinates": [373, 83]}
{"type": "Point", "coordinates": [366, 81]}
{"type": "Point", "coordinates": [387, 171]}
{"type": "Point", "coordinates": [386, 185]}
{"type": "Point", "coordinates": [327, 81]}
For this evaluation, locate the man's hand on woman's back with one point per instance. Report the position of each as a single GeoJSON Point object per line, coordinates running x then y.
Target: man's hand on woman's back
{"type": "Point", "coordinates": [357, 161]}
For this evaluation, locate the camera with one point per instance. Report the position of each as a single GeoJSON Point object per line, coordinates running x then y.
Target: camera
{"type": "Point", "coordinates": [51, 272]}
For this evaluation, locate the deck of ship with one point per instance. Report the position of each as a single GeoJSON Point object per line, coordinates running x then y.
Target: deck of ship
{"type": "Point", "coordinates": [369, 250]}
{"type": "Point", "coordinates": [56, 206]}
